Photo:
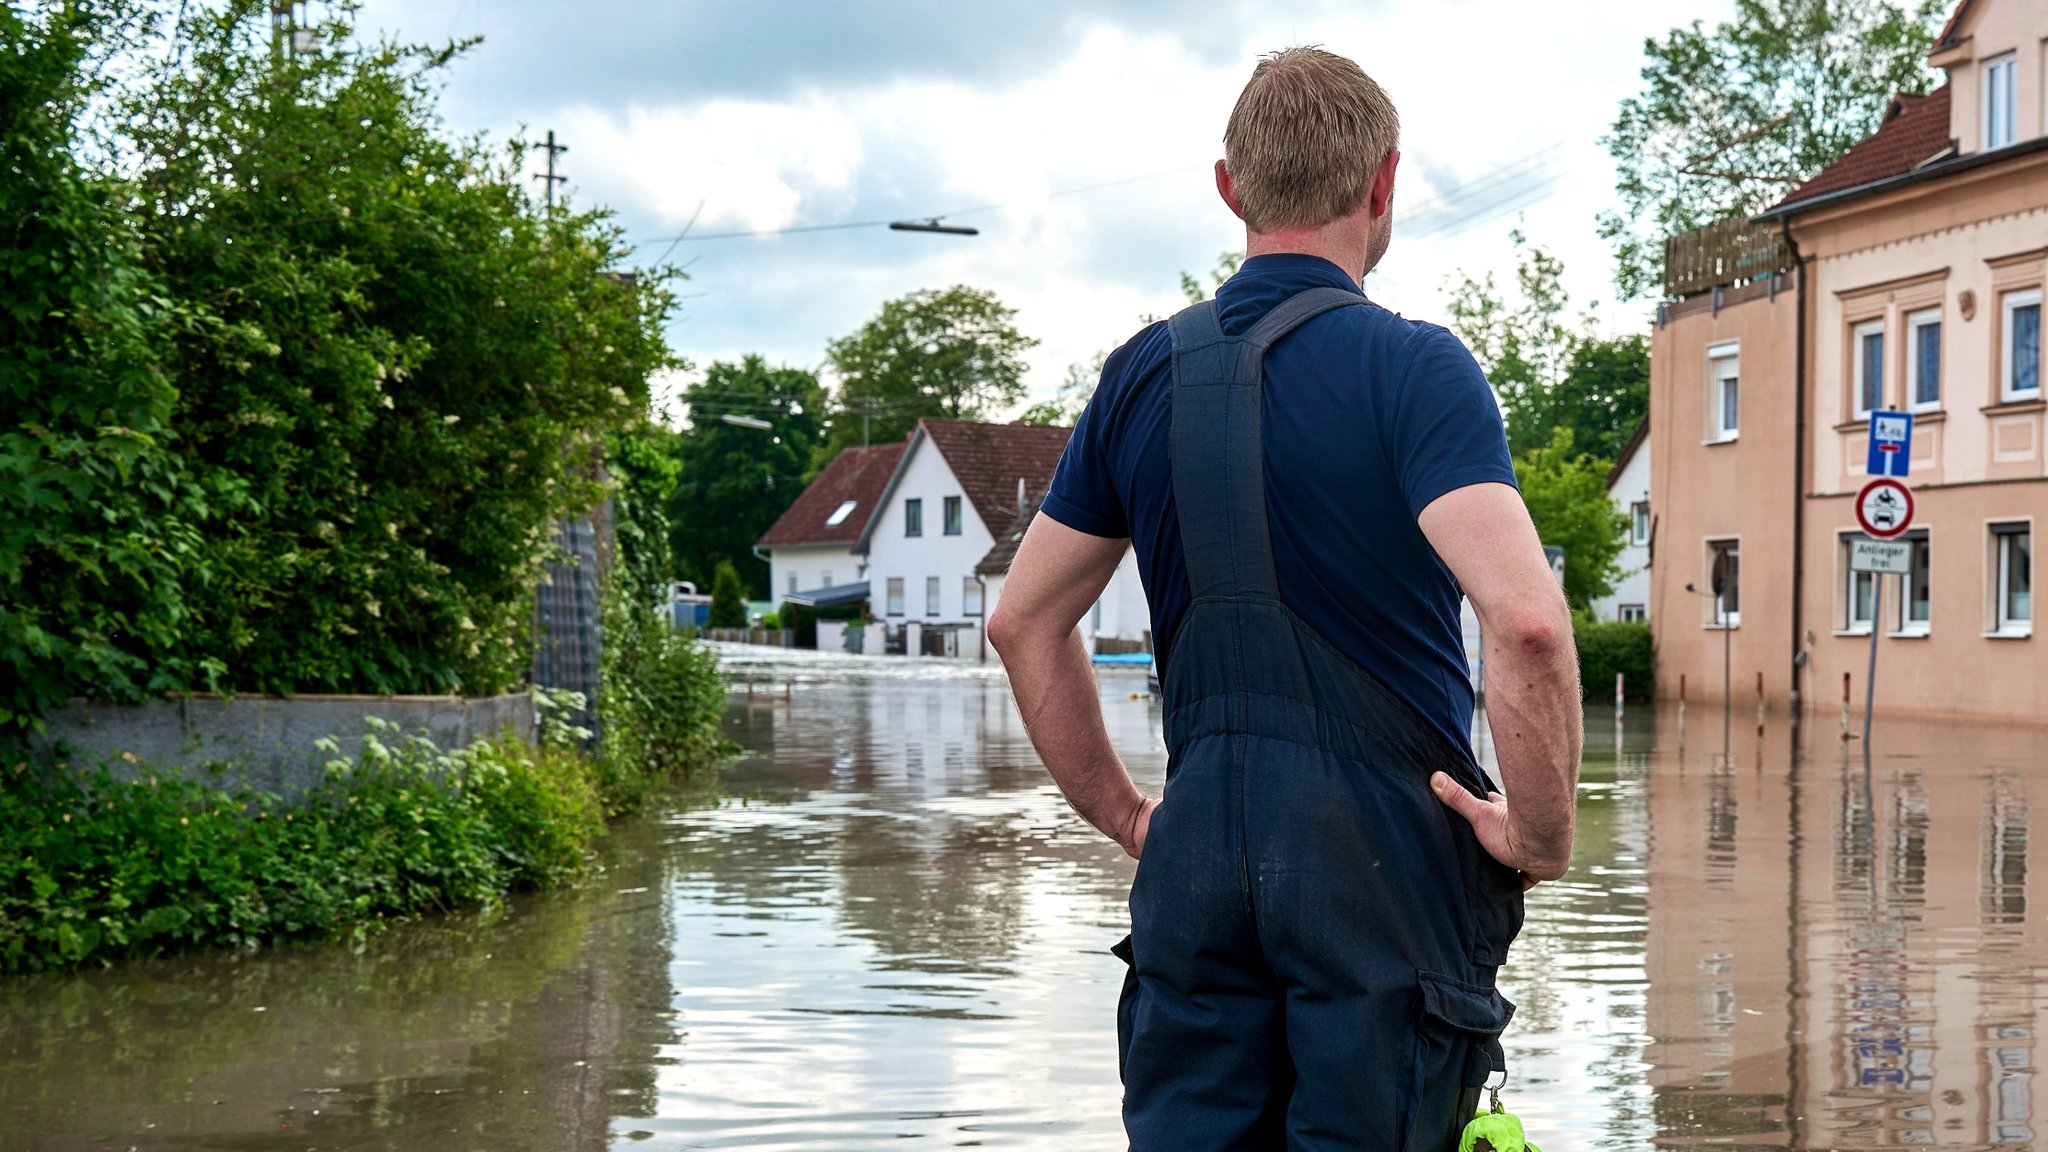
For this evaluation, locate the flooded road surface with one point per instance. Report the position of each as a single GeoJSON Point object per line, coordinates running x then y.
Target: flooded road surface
{"type": "Point", "coordinates": [893, 929]}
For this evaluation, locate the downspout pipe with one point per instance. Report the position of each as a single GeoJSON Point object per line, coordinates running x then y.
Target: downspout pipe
{"type": "Point", "coordinates": [1799, 385]}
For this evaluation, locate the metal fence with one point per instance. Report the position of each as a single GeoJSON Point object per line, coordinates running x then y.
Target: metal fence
{"type": "Point", "coordinates": [568, 625]}
{"type": "Point", "coordinates": [769, 637]}
{"type": "Point", "coordinates": [1720, 256]}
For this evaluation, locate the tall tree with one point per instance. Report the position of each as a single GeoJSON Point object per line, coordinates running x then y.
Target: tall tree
{"type": "Point", "coordinates": [1551, 371]}
{"type": "Point", "coordinates": [1566, 492]}
{"type": "Point", "coordinates": [1730, 120]}
{"type": "Point", "coordinates": [735, 480]}
{"type": "Point", "coordinates": [954, 354]}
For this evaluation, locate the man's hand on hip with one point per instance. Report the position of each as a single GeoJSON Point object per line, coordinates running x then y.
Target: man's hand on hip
{"type": "Point", "coordinates": [1495, 827]}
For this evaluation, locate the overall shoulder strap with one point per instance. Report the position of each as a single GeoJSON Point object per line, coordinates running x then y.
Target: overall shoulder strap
{"type": "Point", "coordinates": [1217, 443]}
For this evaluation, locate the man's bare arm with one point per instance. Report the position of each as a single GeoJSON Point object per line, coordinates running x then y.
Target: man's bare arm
{"type": "Point", "coordinates": [1532, 677]}
{"type": "Point", "coordinates": [1057, 575]}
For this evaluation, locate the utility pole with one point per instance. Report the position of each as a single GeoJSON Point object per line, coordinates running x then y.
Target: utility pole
{"type": "Point", "coordinates": [552, 149]}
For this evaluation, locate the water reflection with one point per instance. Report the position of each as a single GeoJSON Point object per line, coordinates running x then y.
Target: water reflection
{"type": "Point", "coordinates": [894, 928]}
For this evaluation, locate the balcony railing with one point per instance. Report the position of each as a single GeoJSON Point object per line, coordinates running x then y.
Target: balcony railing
{"type": "Point", "coordinates": [1721, 255]}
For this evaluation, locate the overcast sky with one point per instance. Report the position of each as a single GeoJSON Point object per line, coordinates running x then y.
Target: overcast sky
{"type": "Point", "coordinates": [754, 115]}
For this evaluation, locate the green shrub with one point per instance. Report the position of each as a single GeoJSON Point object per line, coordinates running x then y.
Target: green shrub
{"type": "Point", "coordinates": [96, 869]}
{"type": "Point", "coordinates": [1607, 647]}
{"type": "Point", "coordinates": [728, 598]}
{"type": "Point", "coordinates": [661, 709]}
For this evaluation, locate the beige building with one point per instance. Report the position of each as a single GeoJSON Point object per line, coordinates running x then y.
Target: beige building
{"type": "Point", "coordinates": [1907, 276]}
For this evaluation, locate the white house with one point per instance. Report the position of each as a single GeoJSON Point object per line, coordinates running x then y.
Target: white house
{"type": "Point", "coordinates": [958, 498]}
{"type": "Point", "coordinates": [809, 548]}
{"type": "Point", "coordinates": [1628, 485]}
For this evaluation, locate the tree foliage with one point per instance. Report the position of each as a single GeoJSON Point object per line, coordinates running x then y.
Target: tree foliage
{"type": "Point", "coordinates": [1732, 119]}
{"type": "Point", "coordinates": [1549, 371]}
{"type": "Point", "coordinates": [1566, 492]}
{"type": "Point", "coordinates": [954, 354]}
{"type": "Point", "coordinates": [728, 598]}
{"type": "Point", "coordinates": [1071, 399]}
{"type": "Point", "coordinates": [302, 386]}
{"type": "Point", "coordinates": [734, 481]}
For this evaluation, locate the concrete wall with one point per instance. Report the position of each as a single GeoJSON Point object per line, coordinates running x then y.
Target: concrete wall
{"type": "Point", "coordinates": [267, 740]}
{"type": "Point", "coordinates": [1708, 489]}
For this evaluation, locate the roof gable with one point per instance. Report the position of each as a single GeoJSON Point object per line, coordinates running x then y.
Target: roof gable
{"type": "Point", "coordinates": [856, 475]}
{"type": "Point", "coordinates": [988, 461]}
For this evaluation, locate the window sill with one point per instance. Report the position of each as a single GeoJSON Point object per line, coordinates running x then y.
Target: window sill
{"type": "Point", "coordinates": [1712, 441]}
{"type": "Point", "coordinates": [1735, 626]}
{"type": "Point", "coordinates": [1858, 633]}
{"type": "Point", "coordinates": [1909, 634]}
{"type": "Point", "coordinates": [2015, 407]}
{"type": "Point", "coordinates": [1860, 424]}
{"type": "Point", "coordinates": [2010, 634]}
{"type": "Point", "coordinates": [1922, 416]}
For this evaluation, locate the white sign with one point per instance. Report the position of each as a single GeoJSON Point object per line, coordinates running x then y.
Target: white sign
{"type": "Point", "coordinates": [1890, 557]}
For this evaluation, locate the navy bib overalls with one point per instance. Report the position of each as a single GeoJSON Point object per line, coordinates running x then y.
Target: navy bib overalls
{"type": "Point", "coordinates": [1314, 936]}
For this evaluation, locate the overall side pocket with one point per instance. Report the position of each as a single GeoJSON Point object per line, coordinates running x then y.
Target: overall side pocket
{"type": "Point", "coordinates": [1126, 1005]}
{"type": "Point", "coordinates": [1456, 1024]}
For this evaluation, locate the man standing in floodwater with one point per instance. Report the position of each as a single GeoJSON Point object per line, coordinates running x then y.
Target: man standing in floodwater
{"type": "Point", "coordinates": [1328, 886]}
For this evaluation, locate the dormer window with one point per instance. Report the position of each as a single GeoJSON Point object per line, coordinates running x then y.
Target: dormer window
{"type": "Point", "coordinates": [2000, 101]}
{"type": "Point", "coordinates": [840, 514]}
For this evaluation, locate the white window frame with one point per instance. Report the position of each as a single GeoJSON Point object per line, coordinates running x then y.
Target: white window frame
{"type": "Point", "coordinates": [1715, 618]}
{"type": "Point", "coordinates": [1859, 349]}
{"type": "Point", "coordinates": [933, 591]}
{"type": "Point", "coordinates": [1639, 523]}
{"type": "Point", "coordinates": [2001, 95]}
{"type": "Point", "coordinates": [970, 596]}
{"type": "Point", "coordinates": [825, 579]}
{"type": "Point", "coordinates": [1915, 321]}
{"type": "Point", "coordinates": [1724, 369]}
{"type": "Point", "coordinates": [1631, 613]}
{"type": "Point", "coordinates": [1902, 621]}
{"type": "Point", "coordinates": [2002, 535]}
{"type": "Point", "coordinates": [893, 604]}
{"type": "Point", "coordinates": [792, 583]}
{"type": "Point", "coordinates": [913, 517]}
{"type": "Point", "coordinates": [1851, 622]}
{"type": "Point", "coordinates": [2008, 304]}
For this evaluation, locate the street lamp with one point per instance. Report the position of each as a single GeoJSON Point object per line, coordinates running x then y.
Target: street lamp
{"type": "Point", "coordinates": [931, 224]}
{"type": "Point", "coordinates": [754, 422]}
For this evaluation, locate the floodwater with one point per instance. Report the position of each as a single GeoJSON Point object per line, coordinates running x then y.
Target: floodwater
{"type": "Point", "coordinates": [891, 928]}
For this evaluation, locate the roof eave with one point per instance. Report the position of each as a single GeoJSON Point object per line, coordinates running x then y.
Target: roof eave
{"type": "Point", "coordinates": [1903, 180]}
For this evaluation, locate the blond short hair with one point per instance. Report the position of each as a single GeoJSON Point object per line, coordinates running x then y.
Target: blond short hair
{"type": "Point", "coordinates": [1308, 132]}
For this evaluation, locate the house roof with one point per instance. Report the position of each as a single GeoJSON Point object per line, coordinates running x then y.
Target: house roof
{"type": "Point", "coordinates": [997, 562]}
{"type": "Point", "coordinates": [989, 460]}
{"type": "Point", "coordinates": [1914, 130]}
{"type": "Point", "coordinates": [1628, 453]}
{"type": "Point", "coordinates": [856, 474]}
{"type": "Point", "coordinates": [1952, 32]}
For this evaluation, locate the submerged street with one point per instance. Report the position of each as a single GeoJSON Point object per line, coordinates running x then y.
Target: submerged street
{"type": "Point", "coordinates": [889, 926]}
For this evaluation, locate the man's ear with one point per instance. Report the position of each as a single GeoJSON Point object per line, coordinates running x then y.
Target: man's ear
{"type": "Point", "coordinates": [1380, 199]}
{"type": "Point", "coordinates": [1227, 188]}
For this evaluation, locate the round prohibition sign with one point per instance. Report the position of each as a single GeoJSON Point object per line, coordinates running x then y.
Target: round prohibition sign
{"type": "Point", "coordinates": [1884, 509]}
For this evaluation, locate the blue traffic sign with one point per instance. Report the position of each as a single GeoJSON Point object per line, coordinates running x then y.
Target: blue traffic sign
{"type": "Point", "coordinates": [1891, 443]}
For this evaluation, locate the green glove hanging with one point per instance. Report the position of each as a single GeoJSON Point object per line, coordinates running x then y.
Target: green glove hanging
{"type": "Point", "coordinates": [1495, 1130]}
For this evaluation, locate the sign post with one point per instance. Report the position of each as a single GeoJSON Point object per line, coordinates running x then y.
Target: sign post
{"type": "Point", "coordinates": [1884, 510]}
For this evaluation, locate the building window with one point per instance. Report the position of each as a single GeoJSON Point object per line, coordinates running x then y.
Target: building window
{"type": "Point", "coordinates": [1724, 568]}
{"type": "Point", "coordinates": [792, 583]}
{"type": "Point", "coordinates": [2022, 376]}
{"type": "Point", "coordinates": [840, 514]}
{"type": "Point", "coordinates": [1869, 360]}
{"type": "Point", "coordinates": [970, 596]}
{"type": "Point", "coordinates": [895, 601]}
{"type": "Point", "coordinates": [913, 517]}
{"type": "Point", "coordinates": [1999, 101]}
{"type": "Point", "coordinates": [2013, 545]}
{"type": "Point", "coordinates": [1639, 523]}
{"type": "Point", "coordinates": [952, 515]}
{"type": "Point", "coordinates": [1859, 593]}
{"type": "Point", "coordinates": [1923, 359]}
{"type": "Point", "coordinates": [1097, 629]}
{"type": "Point", "coordinates": [1724, 397]}
{"type": "Point", "coordinates": [1918, 607]}
{"type": "Point", "coordinates": [825, 579]}
{"type": "Point", "coordinates": [931, 595]}
{"type": "Point", "coordinates": [1631, 613]}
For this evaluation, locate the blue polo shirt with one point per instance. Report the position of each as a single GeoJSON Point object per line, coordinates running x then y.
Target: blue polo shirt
{"type": "Point", "coordinates": [1368, 418]}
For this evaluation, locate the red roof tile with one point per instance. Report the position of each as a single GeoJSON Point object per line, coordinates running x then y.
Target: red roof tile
{"type": "Point", "coordinates": [1914, 130]}
{"type": "Point", "coordinates": [989, 459]}
{"type": "Point", "coordinates": [857, 474]}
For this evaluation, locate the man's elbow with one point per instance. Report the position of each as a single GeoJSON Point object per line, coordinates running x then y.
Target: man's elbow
{"type": "Point", "coordinates": [1004, 631]}
{"type": "Point", "coordinates": [1542, 632]}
